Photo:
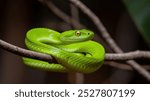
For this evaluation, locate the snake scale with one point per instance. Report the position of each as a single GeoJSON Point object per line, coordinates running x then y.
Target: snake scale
{"type": "Point", "coordinates": [73, 50]}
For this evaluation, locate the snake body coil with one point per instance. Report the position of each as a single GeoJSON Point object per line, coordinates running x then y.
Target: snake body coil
{"type": "Point", "coordinates": [73, 50]}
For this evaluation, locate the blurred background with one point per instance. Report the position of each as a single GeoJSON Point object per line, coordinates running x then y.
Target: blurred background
{"type": "Point", "coordinates": [18, 16]}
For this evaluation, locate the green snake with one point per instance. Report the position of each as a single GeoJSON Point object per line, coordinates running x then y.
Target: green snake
{"type": "Point", "coordinates": [73, 50]}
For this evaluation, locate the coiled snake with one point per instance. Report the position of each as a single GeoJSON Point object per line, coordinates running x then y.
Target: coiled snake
{"type": "Point", "coordinates": [73, 50]}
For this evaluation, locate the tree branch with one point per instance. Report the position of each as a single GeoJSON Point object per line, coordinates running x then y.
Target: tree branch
{"type": "Point", "coordinates": [128, 56]}
{"type": "Point", "coordinates": [40, 56]}
{"type": "Point", "coordinates": [123, 66]}
{"type": "Point", "coordinates": [25, 53]}
{"type": "Point", "coordinates": [105, 34]}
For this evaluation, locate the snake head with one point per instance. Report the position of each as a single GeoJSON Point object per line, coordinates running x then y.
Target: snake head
{"type": "Point", "coordinates": [73, 36]}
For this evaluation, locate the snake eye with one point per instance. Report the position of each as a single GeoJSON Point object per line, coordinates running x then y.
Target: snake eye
{"type": "Point", "coordinates": [77, 33]}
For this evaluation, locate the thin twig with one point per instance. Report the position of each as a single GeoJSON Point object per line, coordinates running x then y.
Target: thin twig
{"type": "Point", "coordinates": [74, 14]}
{"type": "Point", "coordinates": [108, 38]}
{"type": "Point", "coordinates": [128, 56]}
{"type": "Point", "coordinates": [62, 14]}
{"type": "Point", "coordinates": [123, 66]}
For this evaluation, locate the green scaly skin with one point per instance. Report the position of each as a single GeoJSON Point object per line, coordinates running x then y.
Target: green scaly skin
{"type": "Point", "coordinates": [73, 50]}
